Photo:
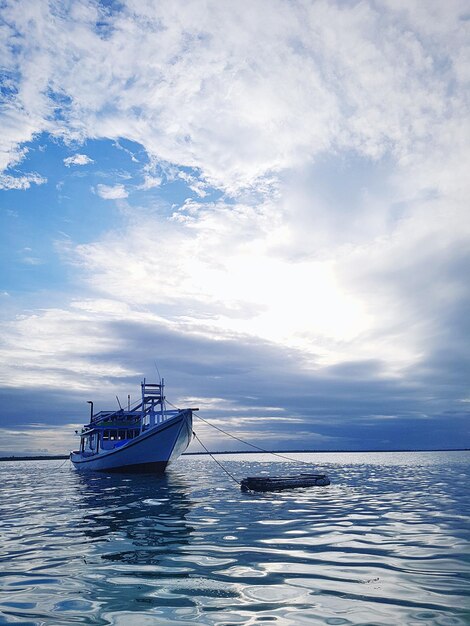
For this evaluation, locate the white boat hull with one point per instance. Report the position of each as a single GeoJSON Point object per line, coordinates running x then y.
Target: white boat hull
{"type": "Point", "coordinates": [151, 451]}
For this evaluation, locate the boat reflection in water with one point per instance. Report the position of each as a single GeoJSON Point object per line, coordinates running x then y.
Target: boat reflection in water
{"type": "Point", "coordinates": [129, 518]}
{"type": "Point", "coordinates": [135, 533]}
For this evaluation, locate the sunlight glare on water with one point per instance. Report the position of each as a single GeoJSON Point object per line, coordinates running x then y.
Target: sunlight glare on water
{"type": "Point", "coordinates": [386, 543]}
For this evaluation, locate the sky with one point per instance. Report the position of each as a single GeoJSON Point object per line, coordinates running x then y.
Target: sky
{"type": "Point", "coordinates": [267, 200]}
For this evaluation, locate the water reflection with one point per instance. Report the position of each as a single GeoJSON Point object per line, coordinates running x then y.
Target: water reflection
{"type": "Point", "coordinates": [134, 519]}
{"type": "Point", "coordinates": [144, 511]}
{"type": "Point", "coordinates": [135, 529]}
{"type": "Point", "coordinates": [385, 544]}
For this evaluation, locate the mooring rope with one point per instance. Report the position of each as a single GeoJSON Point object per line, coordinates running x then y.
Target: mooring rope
{"type": "Point", "coordinates": [62, 464]}
{"type": "Point", "coordinates": [54, 469]}
{"type": "Point", "coordinates": [214, 459]}
{"type": "Point", "coordinates": [282, 456]}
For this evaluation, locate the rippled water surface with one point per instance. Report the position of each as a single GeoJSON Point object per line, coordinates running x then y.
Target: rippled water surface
{"type": "Point", "coordinates": [386, 543]}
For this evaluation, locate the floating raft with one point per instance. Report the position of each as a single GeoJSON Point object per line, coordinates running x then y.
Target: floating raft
{"type": "Point", "coordinates": [278, 483]}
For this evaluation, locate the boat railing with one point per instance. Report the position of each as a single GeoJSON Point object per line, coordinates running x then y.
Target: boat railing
{"type": "Point", "coordinates": [137, 415]}
{"type": "Point", "coordinates": [159, 418]}
{"type": "Point", "coordinates": [171, 413]}
{"type": "Point", "coordinates": [120, 413]}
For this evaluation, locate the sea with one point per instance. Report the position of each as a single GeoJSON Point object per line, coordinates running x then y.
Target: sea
{"type": "Point", "coordinates": [387, 543]}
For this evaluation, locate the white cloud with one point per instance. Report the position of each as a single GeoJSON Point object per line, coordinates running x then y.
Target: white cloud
{"type": "Point", "coordinates": [59, 346]}
{"type": "Point", "coordinates": [150, 182]}
{"type": "Point", "coordinates": [32, 260]}
{"type": "Point", "coordinates": [308, 270]}
{"type": "Point", "coordinates": [111, 192]}
{"type": "Point", "coordinates": [23, 181]}
{"type": "Point", "coordinates": [237, 92]}
{"type": "Point", "coordinates": [78, 159]}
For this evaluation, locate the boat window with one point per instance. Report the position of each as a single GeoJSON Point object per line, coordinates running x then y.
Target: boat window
{"type": "Point", "coordinates": [105, 435]}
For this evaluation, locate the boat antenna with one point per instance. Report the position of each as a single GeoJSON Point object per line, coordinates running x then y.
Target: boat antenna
{"type": "Point", "coordinates": [119, 403]}
{"type": "Point", "coordinates": [158, 372]}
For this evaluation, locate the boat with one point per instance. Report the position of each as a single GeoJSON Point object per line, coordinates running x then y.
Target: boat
{"type": "Point", "coordinates": [144, 438]}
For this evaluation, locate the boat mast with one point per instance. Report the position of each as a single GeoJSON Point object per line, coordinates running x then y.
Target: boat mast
{"type": "Point", "coordinates": [162, 387]}
{"type": "Point", "coordinates": [152, 396]}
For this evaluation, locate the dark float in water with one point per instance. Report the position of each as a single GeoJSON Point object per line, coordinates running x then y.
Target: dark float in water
{"type": "Point", "coordinates": [278, 483]}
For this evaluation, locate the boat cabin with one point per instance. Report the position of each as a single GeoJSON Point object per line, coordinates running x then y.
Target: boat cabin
{"type": "Point", "coordinates": [106, 437]}
{"type": "Point", "coordinates": [108, 430]}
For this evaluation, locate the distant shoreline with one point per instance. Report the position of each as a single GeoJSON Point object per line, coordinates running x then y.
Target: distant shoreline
{"type": "Point", "coordinates": [59, 457]}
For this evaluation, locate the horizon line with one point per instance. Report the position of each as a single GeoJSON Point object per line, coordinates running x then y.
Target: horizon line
{"type": "Point", "coordinates": [55, 457]}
